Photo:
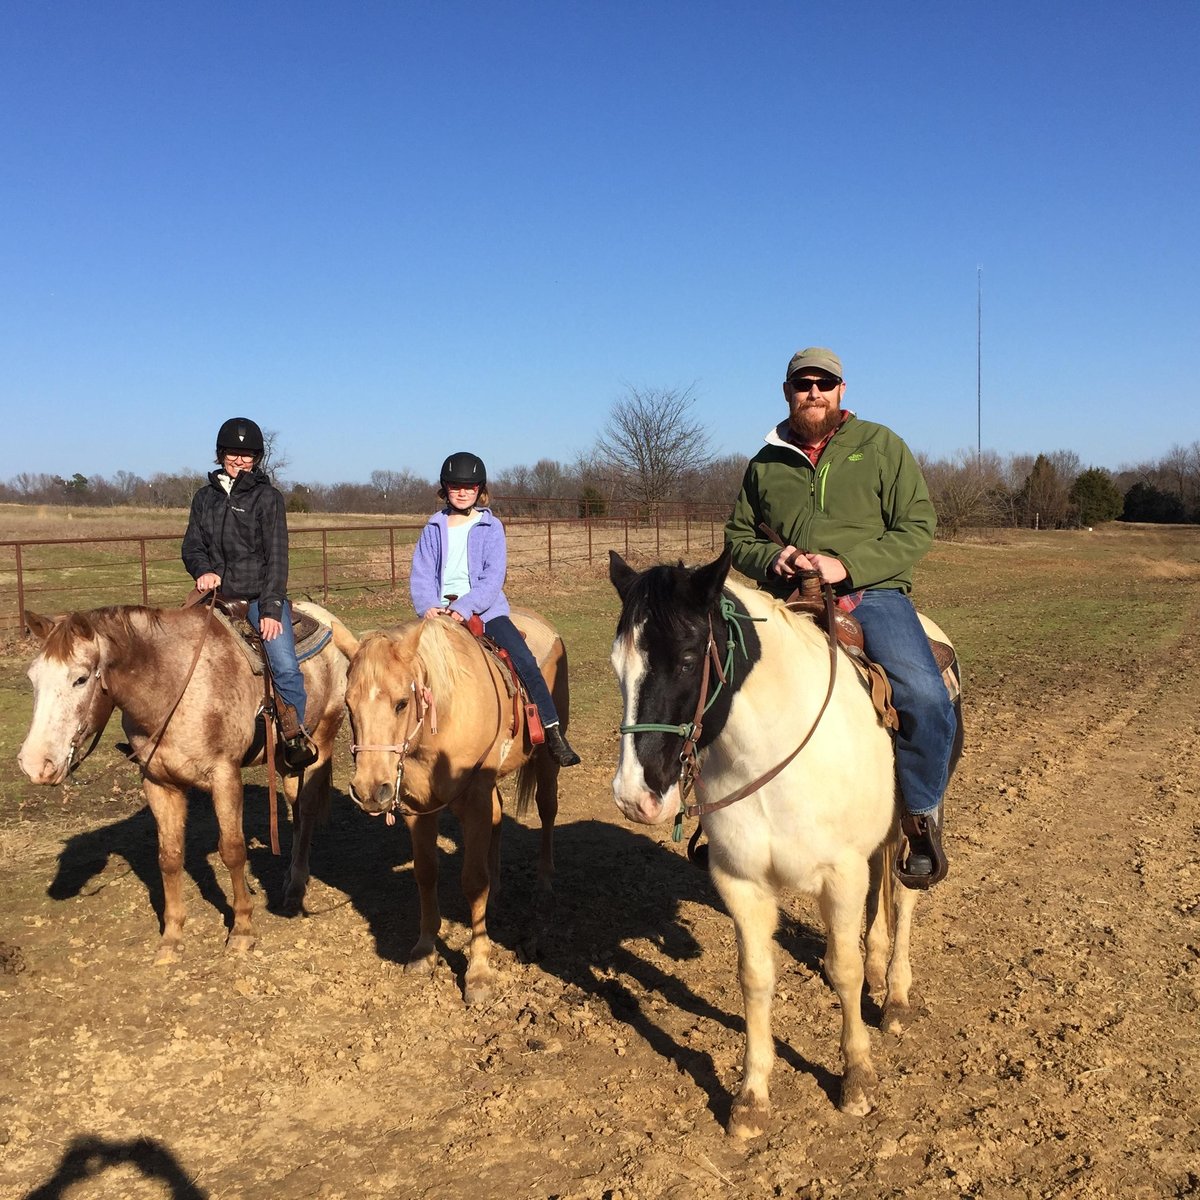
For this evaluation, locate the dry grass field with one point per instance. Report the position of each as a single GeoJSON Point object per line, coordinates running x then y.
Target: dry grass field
{"type": "Point", "coordinates": [1059, 964]}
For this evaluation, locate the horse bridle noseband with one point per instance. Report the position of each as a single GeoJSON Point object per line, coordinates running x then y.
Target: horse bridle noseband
{"type": "Point", "coordinates": [689, 767]}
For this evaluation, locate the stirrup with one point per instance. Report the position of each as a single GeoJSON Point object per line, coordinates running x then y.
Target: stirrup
{"type": "Point", "coordinates": [299, 752]}
{"type": "Point", "coordinates": [924, 839]}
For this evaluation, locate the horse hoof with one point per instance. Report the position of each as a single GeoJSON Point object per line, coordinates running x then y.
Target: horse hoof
{"type": "Point", "coordinates": [168, 953]}
{"type": "Point", "coordinates": [747, 1120]}
{"type": "Point", "coordinates": [897, 1016]}
{"type": "Point", "coordinates": [476, 993]}
{"type": "Point", "coordinates": [240, 943]}
{"type": "Point", "coordinates": [858, 1093]}
{"type": "Point", "coordinates": [420, 965]}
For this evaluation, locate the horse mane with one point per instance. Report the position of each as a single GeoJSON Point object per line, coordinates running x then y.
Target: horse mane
{"type": "Point", "coordinates": [114, 622]}
{"type": "Point", "coordinates": [438, 644]}
{"type": "Point", "coordinates": [654, 597]}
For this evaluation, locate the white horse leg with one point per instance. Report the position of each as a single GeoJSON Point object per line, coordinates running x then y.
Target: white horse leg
{"type": "Point", "coordinates": [897, 1009]}
{"type": "Point", "coordinates": [755, 911]}
{"type": "Point", "coordinates": [842, 901]}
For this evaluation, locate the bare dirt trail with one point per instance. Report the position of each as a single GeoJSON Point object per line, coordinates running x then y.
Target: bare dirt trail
{"type": "Point", "coordinates": [1059, 962]}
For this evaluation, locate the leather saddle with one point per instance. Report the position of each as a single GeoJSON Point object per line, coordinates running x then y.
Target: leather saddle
{"type": "Point", "coordinates": [309, 634]}
{"type": "Point", "coordinates": [512, 683]}
{"type": "Point", "coordinates": [808, 598]}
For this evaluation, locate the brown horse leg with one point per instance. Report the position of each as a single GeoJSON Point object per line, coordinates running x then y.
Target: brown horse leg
{"type": "Point", "coordinates": [755, 911]}
{"type": "Point", "coordinates": [231, 845]}
{"type": "Point", "coordinates": [308, 806]}
{"type": "Point", "coordinates": [878, 937]}
{"type": "Point", "coordinates": [169, 806]}
{"type": "Point", "coordinates": [423, 832]}
{"type": "Point", "coordinates": [841, 903]}
{"type": "Point", "coordinates": [898, 1011]}
{"type": "Point", "coordinates": [481, 831]}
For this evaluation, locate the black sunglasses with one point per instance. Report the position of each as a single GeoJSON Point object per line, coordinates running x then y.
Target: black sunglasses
{"type": "Point", "coordinates": [825, 383]}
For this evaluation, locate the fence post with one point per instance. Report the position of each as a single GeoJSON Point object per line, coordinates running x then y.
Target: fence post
{"type": "Point", "coordinates": [549, 546]}
{"type": "Point", "coordinates": [626, 539]}
{"type": "Point", "coordinates": [392, 549]}
{"type": "Point", "coordinates": [657, 535]}
{"type": "Point", "coordinates": [145, 582]}
{"type": "Point", "coordinates": [687, 535]}
{"type": "Point", "coordinates": [20, 590]}
{"type": "Point", "coordinates": [325, 565]}
{"type": "Point", "coordinates": [589, 529]}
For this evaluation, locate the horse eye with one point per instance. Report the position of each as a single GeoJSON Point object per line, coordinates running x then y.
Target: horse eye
{"type": "Point", "coordinates": [401, 705]}
{"type": "Point", "coordinates": [81, 681]}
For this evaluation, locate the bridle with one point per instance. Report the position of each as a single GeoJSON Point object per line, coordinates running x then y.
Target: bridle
{"type": "Point", "coordinates": [74, 758]}
{"type": "Point", "coordinates": [424, 706]}
{"type": "Point", "coordinates": [689, 766]}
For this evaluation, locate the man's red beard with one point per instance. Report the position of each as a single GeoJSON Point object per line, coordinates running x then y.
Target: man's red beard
{"type": "Point", "coordinates": [811, 425]}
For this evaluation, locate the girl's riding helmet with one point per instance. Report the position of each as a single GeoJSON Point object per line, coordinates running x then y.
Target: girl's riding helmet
{"type": "Point", "coordinates": [464, 469]}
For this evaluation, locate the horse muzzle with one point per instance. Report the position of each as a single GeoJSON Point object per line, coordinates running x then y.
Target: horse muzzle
{"type": "Point", "coordinates": [643, 806]}
{"type": "Point", "coordinates": [374, 799]}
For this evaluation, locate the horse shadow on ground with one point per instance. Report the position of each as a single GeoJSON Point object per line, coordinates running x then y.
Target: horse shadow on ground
{"type": "Point", "coordinates": [88, 1157]}
{"type": "Point", "coordinates": [613, 887]}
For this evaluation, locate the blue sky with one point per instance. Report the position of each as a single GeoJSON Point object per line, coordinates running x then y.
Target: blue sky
{"type": "Point", "coordinates": [393, 230]}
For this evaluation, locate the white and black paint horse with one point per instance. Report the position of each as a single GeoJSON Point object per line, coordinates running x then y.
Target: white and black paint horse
{"type": "Point", "coordinates": [827, 823]}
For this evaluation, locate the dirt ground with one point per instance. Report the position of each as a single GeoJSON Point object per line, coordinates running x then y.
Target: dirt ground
{"type": "Point", "coordinates": [1059, 965]}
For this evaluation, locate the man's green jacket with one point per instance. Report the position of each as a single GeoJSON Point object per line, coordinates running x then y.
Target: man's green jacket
{"type": "Point", "coordinates": [865, 502]}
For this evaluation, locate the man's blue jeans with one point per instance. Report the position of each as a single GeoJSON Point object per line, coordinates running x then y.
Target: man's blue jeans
{"type": "Point", "coordinates": [281, 654]}
{"type": "Point", "coordinates": [894, 638]}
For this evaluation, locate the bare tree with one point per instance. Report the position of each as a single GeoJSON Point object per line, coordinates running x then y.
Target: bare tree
{"type": "Point", "coordinates": [650, 440]}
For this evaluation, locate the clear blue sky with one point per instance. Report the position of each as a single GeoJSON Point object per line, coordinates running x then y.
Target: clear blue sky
{"type": "Point", "coordinates": [392, 230]}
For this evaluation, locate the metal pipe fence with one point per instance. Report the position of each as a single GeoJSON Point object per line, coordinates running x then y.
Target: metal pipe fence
{"type": "Point", "coordinates": [69, 574]}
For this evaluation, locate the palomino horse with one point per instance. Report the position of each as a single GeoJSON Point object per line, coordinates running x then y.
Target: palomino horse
{"type": "Point", "coordinates": [434, 727]}
{"type": "Point", "coordinates": [138, 659]}
{"type": "Point", "coordinates": [826, 823]}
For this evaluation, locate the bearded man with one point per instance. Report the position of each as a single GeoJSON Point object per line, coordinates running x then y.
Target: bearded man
{"type": "Point", "coordinates": [848, 500]}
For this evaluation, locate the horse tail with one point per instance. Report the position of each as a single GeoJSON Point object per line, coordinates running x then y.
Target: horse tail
{"type": "Point", "coordinates": [887, 884]}
{"type": "Point", "coordinates": [526, 785]}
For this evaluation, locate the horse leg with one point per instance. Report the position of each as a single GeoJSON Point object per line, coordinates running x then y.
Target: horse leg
{"type": "Point", "coordinates": [231, 845]}
{"type": "Point", "coordinates": [546, 798]}
{"type": "Point", "coordinates": [481, 833]}
{"type": "Point", "coordinates": [308, 804]}
{"type": "Point", "coordinates": [169, 806]}
{"type": "Point", "coordinates": [423, 832]}
{"type": "Point", "coordinates": [755, 911]}
{"type": "Point", "coordinates": [878, 934]}
{"type": "Point", "coordinates": [841, 902]}
{"type": "Point", "coordinates": [898, 1012]}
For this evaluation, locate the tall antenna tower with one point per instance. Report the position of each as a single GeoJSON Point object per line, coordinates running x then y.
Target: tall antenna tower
{"type": "Point", "coordinates": [978, 364]}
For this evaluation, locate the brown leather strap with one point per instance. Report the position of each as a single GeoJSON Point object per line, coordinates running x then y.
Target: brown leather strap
{"type": "Point", "coordinates": [156, 738]}
{"type": "Point", "coordinates": [701, 807]}
{"type": "Point", "coordinates": [269, 719]}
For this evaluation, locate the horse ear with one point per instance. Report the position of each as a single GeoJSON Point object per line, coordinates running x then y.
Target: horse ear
{"type": "Point", "coordinates": [707, 581]}
{"type": "Point", "coordinates": [620, 573]}
{"type": "Point", "coordinates": [38, 626]}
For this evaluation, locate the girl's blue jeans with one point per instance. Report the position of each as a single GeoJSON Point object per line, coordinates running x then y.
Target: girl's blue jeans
{"type": "Point", "coordinates": [894, 638]}
{"type": "Point", "coordinates": [506, 635]}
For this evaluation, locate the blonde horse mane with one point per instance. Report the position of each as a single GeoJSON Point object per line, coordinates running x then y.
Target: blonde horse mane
{"type": "Point", "coordinates": [435, 650]}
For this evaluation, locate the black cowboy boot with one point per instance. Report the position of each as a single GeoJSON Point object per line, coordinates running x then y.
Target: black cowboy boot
{"type": "Point", "coordinates": [926, 863]}
{"type": "Point", "coordinates": [298, 749]}
{"type": "Point", "coordinates": [559, 747]}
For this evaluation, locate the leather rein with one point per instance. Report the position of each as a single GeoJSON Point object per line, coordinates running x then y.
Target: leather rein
{"type": "Point", "coordinates": [689, 766]}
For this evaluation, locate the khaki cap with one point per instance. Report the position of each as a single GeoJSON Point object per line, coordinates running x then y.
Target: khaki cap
{"type": "Point", "coordinates": [815, 358]}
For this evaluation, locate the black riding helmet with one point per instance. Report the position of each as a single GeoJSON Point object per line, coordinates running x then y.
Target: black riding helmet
{"type": "Point", "coordinates": [464, 469]}
{"type": "Point", "coordinates": [240, 435]}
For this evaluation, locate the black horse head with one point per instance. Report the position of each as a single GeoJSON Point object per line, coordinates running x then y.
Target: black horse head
{"type": "Point", "coordinates": [662, 641]}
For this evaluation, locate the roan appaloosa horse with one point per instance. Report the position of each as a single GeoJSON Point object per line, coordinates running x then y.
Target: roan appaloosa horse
{"type": "Point", "coordinates": [137, 659]}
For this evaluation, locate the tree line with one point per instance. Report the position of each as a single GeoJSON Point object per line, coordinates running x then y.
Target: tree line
{"type": "Point", "coordinates": [653, 456]}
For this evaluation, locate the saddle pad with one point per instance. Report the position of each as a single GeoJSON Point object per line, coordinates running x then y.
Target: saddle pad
{"type": "Point", "coordinates": [311, 641]}
{"type": "Point", "coordinates": [540, 635]}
